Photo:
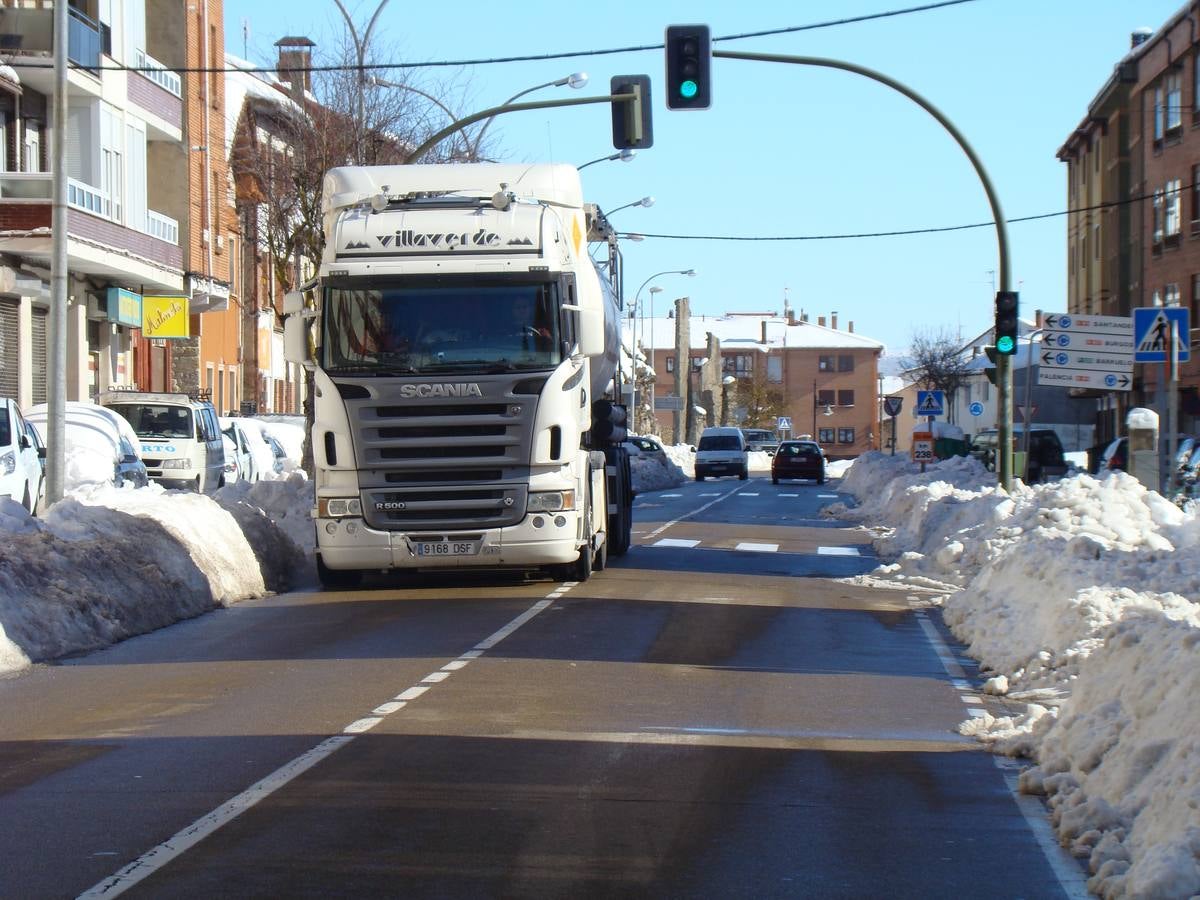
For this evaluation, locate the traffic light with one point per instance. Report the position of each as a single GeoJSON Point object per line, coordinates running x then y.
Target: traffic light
{"type": "Point", "coordinates": [631, 126]}
{"type": "Point", "coordinates": [689, 58]}
{"type": "Point", "coordinates": [990, 371]}
{"type": "Point", "coordinates": [609, 421]}
{"type": "Point", "coordinates": [1006, 322]}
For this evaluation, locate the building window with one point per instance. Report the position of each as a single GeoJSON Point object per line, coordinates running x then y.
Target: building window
{"type": "Point", "coordinates": [845, 398]}
{"type": "Point", "coordinates": [845, 435]}
{"type": "Point", "coordinates": [1171, 295]}
{"type": "Point", "coordinates": [845, 363]}
{"type": "Point", "coordinates": [670, 364]}
{"type": "Point", "coordinates": [824, 435]}
{"type": "Point", "coordinates": [825, 363]}
{"type": "Point", "coordinates": [1174, 109]}
{"type": "Point", "coordinates": [1096, 241]}
{"type": "Point", "coordinates": [737, 364]}
{"type": "Point", "coordinates": [1173, 209]}
{"type": "Point", "coordinates": [826, 398]}
{"type": "Point", "coordinates": [1159, 204]}
{"type": "Point", "coordinates": [775, 369]}
{"type": "Point", "coordinates": [697, 363]}
{"type": "Point", "coordinates": [1158, 116]}
{"type": "Point", "coordinates": [33, 146]}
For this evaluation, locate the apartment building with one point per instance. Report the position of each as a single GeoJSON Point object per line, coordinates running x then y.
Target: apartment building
{"type": "Point", "coordinates": [826, 376]}
{"type": "Point", "coordinates": [1133, 190]}
{"type": "Point", "coordinates": [124, 137]}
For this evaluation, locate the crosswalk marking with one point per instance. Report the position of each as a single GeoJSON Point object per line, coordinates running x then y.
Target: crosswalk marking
{"type": "Point", "coordinates": [757, 548]}
{"type": "Point", "coordinates": [838, 551]}
{"type": "Point", "coordinates": [674, 542]}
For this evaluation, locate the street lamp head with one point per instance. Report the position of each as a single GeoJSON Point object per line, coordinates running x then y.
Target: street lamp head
{"type": "Point", "coordinates": [655, 289]}
{"type": "Point", "coordinates": [728, 379]}
{"type": "Point", "coordinates": [646, 201]}
{"type": "Point", "coordinates": [575, 80]}
{"type": "Point", "coordinates": [828, 411]}
{"type": "Point", "coordinates": [626, 155]}
{"type": "Point", "coordinates": [634, 236]}
{"type": "Point", "coordinates": [690, 273]}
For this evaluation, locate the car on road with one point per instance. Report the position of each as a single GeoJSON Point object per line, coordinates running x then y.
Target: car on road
{"type": "Point", "coordinates": [798, 459]}
{"type": "Point", "coordinates": [22, 463]}
{"type": "Point", "coordinates": [722, 451]}
{"type": "Point", "coordinates": [1046, 457]}
{"type": "Point", "coordinates": [761, 439]}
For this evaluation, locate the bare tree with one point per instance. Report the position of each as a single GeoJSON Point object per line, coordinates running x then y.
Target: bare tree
{"type": "Point", "coordinates": [763, 405]}
{"type": "Point", "coordinates": [936, 361]}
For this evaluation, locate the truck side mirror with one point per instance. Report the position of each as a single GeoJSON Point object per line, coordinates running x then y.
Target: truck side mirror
{"type": "Point", "coordinates": [591, 331]}
{"type": "Point", "coordinates": [295, 339]}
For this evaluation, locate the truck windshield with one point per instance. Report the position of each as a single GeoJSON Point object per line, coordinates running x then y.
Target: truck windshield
{"type": "Point", "coordinates": [414, 327]}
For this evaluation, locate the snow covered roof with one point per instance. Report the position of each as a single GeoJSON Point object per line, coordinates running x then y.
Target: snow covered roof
{"type": "Point", "coordinates": [241, 84]}
{"type": "Point", "coordinates": [734, 330]}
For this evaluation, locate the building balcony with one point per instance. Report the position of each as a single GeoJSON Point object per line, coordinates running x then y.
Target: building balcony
{"type": "Point", "coordinates": [27, 42]}
{"type": "Point", "coordinates": [37, 186]}
{"type": "Point", "coordinates": [158, 91]}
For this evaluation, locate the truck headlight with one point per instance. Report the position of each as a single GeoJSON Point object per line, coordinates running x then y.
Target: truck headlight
{"type": "Point", "coordinates": [176, 463]}
{"type": "Point", "coordinates": [551, 501]}
{"type": "Point", "coordinates": [338, 507]}
{"type": "Point", "coordinates": [9, 462]}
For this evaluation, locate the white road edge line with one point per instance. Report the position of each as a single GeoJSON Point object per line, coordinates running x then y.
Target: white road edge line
{"type": "Point", "coordinates": [182, 841]}
{"type": "Point", "coordinates": [1066, 870]}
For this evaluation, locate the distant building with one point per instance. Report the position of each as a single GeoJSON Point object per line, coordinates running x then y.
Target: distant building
{"type": "Point", "coordinates": [828, 377]}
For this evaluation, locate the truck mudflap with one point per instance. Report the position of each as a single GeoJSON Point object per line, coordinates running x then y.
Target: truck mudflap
{"type": "Point", "coordinates": [620, 499]}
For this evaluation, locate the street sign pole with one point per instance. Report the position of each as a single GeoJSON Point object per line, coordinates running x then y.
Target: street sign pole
{"type": "Point", "coordinates": [1172, 415]}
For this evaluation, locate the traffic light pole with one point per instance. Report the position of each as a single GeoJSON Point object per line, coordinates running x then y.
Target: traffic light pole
{"type": "Point", "coordinates": [1004, 380]}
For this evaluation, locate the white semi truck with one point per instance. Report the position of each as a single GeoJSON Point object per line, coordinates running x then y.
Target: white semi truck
{"type": "Point", "coordinates": [464, 346]}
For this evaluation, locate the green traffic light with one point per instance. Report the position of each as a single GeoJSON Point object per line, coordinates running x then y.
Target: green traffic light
{"type": "Point", "coordinates": [1005, 344]}
{"type": "Point", "coordinates": [688, 89]}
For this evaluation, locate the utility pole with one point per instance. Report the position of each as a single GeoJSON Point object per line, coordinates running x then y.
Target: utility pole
{"type": "Point", "coordinates": [56, 376]}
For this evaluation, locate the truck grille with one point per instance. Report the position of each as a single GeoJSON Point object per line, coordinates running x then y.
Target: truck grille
{"type": "Point", "coordinates": [441, 463]}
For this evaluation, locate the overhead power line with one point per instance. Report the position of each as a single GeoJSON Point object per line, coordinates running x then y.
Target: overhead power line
{"type": "Point", "coordinates": [16, 62]}
{"type": "Point", "coordinates": [899, 233]}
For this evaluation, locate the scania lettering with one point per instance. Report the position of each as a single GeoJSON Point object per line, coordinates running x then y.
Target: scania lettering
{"type": "Point", "coordinates": [463, 335]}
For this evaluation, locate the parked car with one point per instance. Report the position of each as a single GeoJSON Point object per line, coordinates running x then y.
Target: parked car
{"type": "Point", "coordinates": [101, 446]}
{"type": "Point", "coordinates": [1116, 455]}
{"type": "Point", "coordinates": [722, 451]}
{"type": "Point", "coordinates": [648, 447]}
{"type": "Point", "coordinates": [22, 463]}
{"type": "Point", "coordinates": [277, 452]}
{"type": "Point", "coordinates": [798, 459]}
{"type": "Point", "coordinates": [179, 437]}
{"type": "Point", "coordinates": [761, 439]}
{"type": "Point", "coordinates": [246, 462]}
{"type": "Point", "coordinates": [1046, 458]}
{"type": "Point", "coordinates": [267, 465]}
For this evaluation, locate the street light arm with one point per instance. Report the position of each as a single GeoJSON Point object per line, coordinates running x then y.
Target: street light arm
{"type": "Point", "coordinates": [558, 82]}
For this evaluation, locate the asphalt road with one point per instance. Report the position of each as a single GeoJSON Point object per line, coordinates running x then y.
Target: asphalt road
{"type": "Point", "coordinates": [715, 715]}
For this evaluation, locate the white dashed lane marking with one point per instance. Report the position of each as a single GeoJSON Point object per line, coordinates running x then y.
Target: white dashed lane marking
{"type": "Point", "coordinates": [838, 551]}
{"type": "Point", "coordinates": [675, 542]}
{"type": "Point", "coordinates": [757, 548]}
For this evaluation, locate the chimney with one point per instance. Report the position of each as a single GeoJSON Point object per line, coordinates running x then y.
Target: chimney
{"type": "Point", "coordinates": [850, 325]}
{"type": "Point", "coordinates": [821, 321]}
{"type": "Point", "coordinates": [763, 323]}
{"type": "Point", "coordinates": [833, 321]}
{"type": "Point", "coordinates": [791, 317]}
{"type": "Point", "coordinates": [1140, 36]}
{"type": "Point", "coordinates": [295, 63]}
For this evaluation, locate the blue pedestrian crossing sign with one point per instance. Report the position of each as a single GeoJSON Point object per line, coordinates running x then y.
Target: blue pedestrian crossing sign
{"type": "Point", "coordinates": [1152, 333]}
{"type": "Point", "coordinates": [931, 403]}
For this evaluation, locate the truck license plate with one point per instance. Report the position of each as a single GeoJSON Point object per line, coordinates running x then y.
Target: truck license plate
{"type": "Point", "coordinates": [447, 548]}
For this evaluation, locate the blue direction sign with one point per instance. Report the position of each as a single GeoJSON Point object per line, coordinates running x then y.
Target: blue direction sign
{"type": "Point", "coordinates": [1152, 333]}
{"type": "Point", "coordinates": [975, 409]}
{"type": "Point", "coordinates": [930, 403]}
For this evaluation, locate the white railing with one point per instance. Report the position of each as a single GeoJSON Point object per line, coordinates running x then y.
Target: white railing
{"type": "Point", "coordinates": [158, 73]}
{"type": "Point", "coordinates": [88, 198]}
{"type": "Point", "coordinates": [162, 227]}
{"type": "Point", "coordinates": [26, 186]}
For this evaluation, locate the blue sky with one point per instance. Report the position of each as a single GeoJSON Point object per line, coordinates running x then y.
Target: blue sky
{"type": "Point", "coordinates": [788, 150]}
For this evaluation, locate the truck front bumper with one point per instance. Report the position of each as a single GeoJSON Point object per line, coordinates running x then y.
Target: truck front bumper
{"type": "Point", "coordinates": [540, 539]}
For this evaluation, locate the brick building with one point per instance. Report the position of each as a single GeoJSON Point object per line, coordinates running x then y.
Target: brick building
{"type": "Point", "coordinates": [1133, 188]}
{"type": "Point", "coordinates": [828, 377]}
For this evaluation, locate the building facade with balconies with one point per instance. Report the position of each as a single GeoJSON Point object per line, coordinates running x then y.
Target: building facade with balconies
{"type": "Point", "coordinates": [124, 134]}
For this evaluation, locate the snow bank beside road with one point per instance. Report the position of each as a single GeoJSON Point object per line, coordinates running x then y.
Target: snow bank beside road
{"type": "Point", "coordinates": [108, 563]}
{"type": "Point", "coordinates": [1074, 594]}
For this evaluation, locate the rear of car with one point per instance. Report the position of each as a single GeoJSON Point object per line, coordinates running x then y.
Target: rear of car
{"type": "Point", "coordinates": [798, 459]}
{"type": "Point", "coordinates": [761, 439]}
{"type": "Point", "coordinates": [722, 451]}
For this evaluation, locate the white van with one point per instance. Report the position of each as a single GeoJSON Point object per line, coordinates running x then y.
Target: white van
{"type": "Point", "coordinates": [181, 441]}
{"type": "Point", "coordinates": [722, 451]}
{"type": "Point", "coordinates": [22, 460]}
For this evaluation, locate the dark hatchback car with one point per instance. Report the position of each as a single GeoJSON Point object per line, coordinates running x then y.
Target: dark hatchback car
{"type": "Point", "coordinates": [798, 459]}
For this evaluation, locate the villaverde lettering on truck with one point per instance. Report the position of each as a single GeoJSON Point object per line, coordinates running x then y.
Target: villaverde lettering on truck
{"type": "Point", "coordinates": [462, 412]}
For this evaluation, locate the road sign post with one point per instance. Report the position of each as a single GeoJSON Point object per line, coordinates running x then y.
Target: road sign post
{"type": "Point", "coordinates": [892, 406]}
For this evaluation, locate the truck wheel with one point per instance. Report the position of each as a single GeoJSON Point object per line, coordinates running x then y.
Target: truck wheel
{"type": "Point", "coordinates": [337, 579]}
{"type": "Point", "coordinates": [745, 474]}
{"type": "Point", "coordinates": [699, 477]}
{"type": "Point", "coordinates": [600, 563]}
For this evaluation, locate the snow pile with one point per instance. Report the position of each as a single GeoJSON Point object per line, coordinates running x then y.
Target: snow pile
{"type": "Point", "coordinates": [1073, 595]}
{"type": "Point", "coordinates": [108, 563]}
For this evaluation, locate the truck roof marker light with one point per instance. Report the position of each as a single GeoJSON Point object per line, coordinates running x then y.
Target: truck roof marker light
{"type": "Point", "coordinates": [502, 199]}
{"type": "Point", "coordinates": [379, 203]}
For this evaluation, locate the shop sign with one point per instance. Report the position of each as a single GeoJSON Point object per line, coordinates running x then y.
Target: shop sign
{"type": "Point", "coordinates": [124, 307]}
{"type": "Point", "coordinates": [165, 317]}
